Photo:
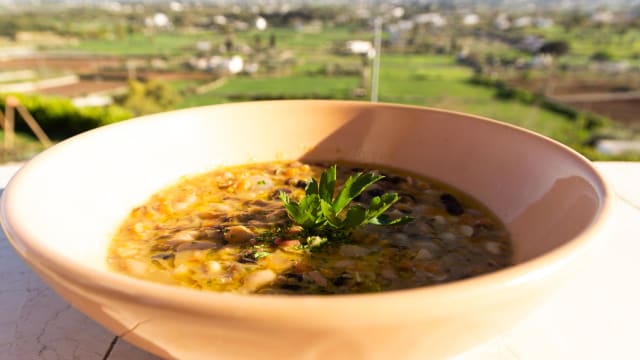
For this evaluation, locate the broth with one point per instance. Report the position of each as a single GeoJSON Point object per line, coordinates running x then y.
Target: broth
{"type": "Point", "coordinates": [227, 230]}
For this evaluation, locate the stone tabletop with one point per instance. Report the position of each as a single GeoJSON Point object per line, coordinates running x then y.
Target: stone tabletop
{"type": "Point", "coordinates": [592, 317]}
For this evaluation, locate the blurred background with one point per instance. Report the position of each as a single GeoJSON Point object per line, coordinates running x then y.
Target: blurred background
{"type": "Point", "coordinates": [568, 69]}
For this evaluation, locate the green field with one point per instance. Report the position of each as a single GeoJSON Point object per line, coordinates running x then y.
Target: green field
{"type": "Point", "coordinates": [435, 82]}
{"type": "Point", "coordinates": [173, 43]}
{"type": "Point", "coordinates": [287, 86]}
{"type": "Point", "coordinates": [165, 44]}
{"type": "Point", "coordinates": [423, 80]}
{"type": "Point", "coordinates": [417, 79]}
{"type": "Point", "coordinates": [585, 41]}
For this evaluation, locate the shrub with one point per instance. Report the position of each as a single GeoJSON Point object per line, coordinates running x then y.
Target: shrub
{"type": "Point", "coordinates": [60, 119]}
{"type": "Point", "coordinates": [590, 121]}
{"type": "Point", "coordinates": [148, 97]}
{"type": "Point", "coordinates": [601, 55]}
{"type": "Point", "coordinates": [558, 47]}
{"type": "Point", "coordinates": [258, 97]}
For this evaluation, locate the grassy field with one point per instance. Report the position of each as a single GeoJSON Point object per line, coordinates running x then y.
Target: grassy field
{"type": "Point", "coordinates": [438, 82]}
{"type": "Point", "coordinates": [172, 43]}
{"type": "Point", "coordinates": [165, 44]}
{"type": "Point", "coordinates": [584, 41]}
{"type": "Point", "coordinates": [287, 86]}
{"type": "Point", "coordinates": [424, 80]}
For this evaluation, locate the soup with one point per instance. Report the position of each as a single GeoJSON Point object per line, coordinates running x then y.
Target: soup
{"type": "Point", "coordinates": [228, 230]}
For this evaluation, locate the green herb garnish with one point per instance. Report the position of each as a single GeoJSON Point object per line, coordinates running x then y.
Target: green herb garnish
{"type": "Point", "coordinates": [322, 214]}
{"type": "Point", "coordinates": [260, 254]}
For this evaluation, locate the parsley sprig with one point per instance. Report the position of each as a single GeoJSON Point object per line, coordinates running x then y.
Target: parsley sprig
{"type": "Point", "coordinates": [321, 213]}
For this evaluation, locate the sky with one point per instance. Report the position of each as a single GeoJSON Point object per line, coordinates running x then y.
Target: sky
{"type": "Point", "coordinates": [587, 4]}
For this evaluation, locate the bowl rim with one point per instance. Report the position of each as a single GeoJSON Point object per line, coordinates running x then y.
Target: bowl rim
{"type": "Point", "coordinates": [130, 289]}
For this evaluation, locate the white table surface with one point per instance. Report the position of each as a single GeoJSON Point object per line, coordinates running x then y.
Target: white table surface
{"type": "Point", "coordinates": [594, 317]}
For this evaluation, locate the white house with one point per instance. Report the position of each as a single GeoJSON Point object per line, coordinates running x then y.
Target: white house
{"type": "Point", "coordinates": [158, 20]}
{"type": "Point", "coordinates": [220, 20]}
{"type": "Point", "coordinates": [434, 19]}
{"type": "Point", "coordinates": [232, 65]}
{"type": "Point", "coordinates": [235, 64]}
{"type": "Point", "coordinates": [502, 22]}
{"type": "Point", "coordinates": [397, 12]}
{"type": "Point", "coordinates": [92, 101]}
{"type": "Point", "coordinates": [261, 23]}
{"type": "Point", "coordinates": [361, 47]}
{"type": "Point", "coordinates": [176, 6]}
{"type": "Point", "coordinates": [470, 19]}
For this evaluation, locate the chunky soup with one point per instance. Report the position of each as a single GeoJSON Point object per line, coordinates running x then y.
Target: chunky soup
{"type": "Point", "coordinates": [227, 230]}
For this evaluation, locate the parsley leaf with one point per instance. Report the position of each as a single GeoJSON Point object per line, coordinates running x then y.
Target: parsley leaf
{"type": "Point", "coordinates": [322, 214]}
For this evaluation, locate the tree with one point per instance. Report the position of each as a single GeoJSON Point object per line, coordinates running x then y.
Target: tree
{"type": "Point", "coordinates": [601, 55]}
{"type": "Point", "coordinates": [8, 28]}
{"type": "Point", "coordinates": [556, 47]}
{"type": "Point", "coordinates": [228, 44]}
{"type": "Point", "coordinates": [146, 98]}
{"type": "Point", "coordinates": [257, 40]}
{"type": "Point", "coordinates": [272, 41]}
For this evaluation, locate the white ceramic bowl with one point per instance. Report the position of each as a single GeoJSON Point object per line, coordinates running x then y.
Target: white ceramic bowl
{"type": "Point", "coordinates": [62, 208]}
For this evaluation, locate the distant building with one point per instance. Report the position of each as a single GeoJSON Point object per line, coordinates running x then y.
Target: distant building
{"type": "Point", "coordinates": [158, 64]}
{"type": "Point", "coordinates": [18, 75]}
{"type": "Point", "coordinates": [240, 25]}
{"type": "Point", "coordinates": [203, 46]}
{"type": "Point", "coordinates": [159, 21]}
{"type": "Point", "coordinates": [617, 147]}
{"type": "Point", "coordinates": [602, 17]}
{"type": "Point", "coordinates": [405, 25]}
{"type": "Point", "coordinates": [17, 51]}
{"type": "Point", "coordinates": [230, 65]}
{"type": "Point", "coordinates": [261, 23]}
{"type": "Point", "coordinates": [502, 22]}
{"type": "Point", "coordinates": [92, 101]}
{"type": "Point", "coordinates": [220, 20]}
{"type": "Point", "coordinates": [523, 21]}
{"type": "Point", "coordinates": [541, 61]}
{"type": "Point", "coordinates": [235, 64]}
{"type": "Point", "coordinates": [112, 6]}
{"type": "Point", "coordinates": [611, 67]}
{"type": "Point", "coordinates": [531, 44]}
{"type": "Point", "coordinates": [361, 47]}
{"type": "Point", "coordinates": [397, 12]}
{"type": "Point", "coordinates": [470, 19]}
{"type": "Point", "coordinates": [396, 30]}
{"type": "Point", "coordinates": [433, 19]}
{"type": "Point", "coordinates": [176, 6]}
{"type": "Point", "coordinates": [251, 68]}
{"type": "Point", "coordinates": [363, 13]}
{"type": "Point", "coordinates": [543, 23]}
{"type": "Point", "coordinates": [311, 27]}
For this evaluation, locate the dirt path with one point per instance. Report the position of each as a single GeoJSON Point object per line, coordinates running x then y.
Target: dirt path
{"type": "Point", "coordinates": [85, 87]}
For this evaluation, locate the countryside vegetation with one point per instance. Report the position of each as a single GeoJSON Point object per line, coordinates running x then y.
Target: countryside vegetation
{"type": "Point", "coordinates": [570, 74]}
